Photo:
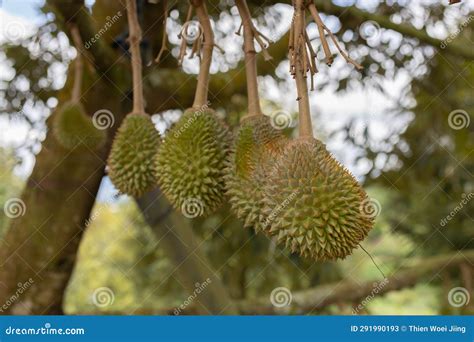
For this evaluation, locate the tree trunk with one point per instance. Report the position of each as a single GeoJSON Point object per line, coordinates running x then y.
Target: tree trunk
{"type": "Point", "coordinates": [39, 248]}
{"type": "Point", "coordinates": [174, 232]}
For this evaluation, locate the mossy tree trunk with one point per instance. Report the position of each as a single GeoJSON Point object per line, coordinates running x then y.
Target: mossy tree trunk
{"type": "Point", "coordinates": [42, 244]}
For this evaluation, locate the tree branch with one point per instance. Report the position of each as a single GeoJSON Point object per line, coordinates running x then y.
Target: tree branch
{"type": "Point", "coordinates": [407, 30]}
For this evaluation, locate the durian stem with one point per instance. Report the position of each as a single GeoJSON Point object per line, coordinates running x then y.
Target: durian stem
{"type": "Point", "coordinates": [305, 125]}
{"type": "Point", "coordinates": [250, 59]}
{"type": "Point", "coordinates": [78, 65]}
{"type": "Point", "coordinates": [134, 39]}
{"type": "Point", "coordinates": [200, 98]}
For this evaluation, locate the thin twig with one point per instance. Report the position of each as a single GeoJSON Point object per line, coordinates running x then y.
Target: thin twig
{"type": "Point", "coordinates": [342, 52]}
{"type": "Point", "coordinates": [322, 36]}
{"type": "Point", "coordinates": [134, 39]}
{"type": "Point", "coordinates": [200, 98]}
{"type": "Point", "coordinates": [323, 27]}
{"type": "Point", "coordinates": [78, 65]}
{"type": "Point", "coordinates": [164, 39]}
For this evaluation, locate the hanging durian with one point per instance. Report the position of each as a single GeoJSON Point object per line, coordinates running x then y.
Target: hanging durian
{"type": "Point", "coordinates": [191, 160]}
{"type": "Point", "coordinates": [257, 142]}
{"type": "Point", "coordinates": [131, 161]}
{"type": "Point", "coordinates": [313, 205]}
{"type": "Point", "coordinates": [72, 127]}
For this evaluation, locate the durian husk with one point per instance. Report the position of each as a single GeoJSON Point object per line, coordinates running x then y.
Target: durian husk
{"type": "Point", "coordinates": [131, 161]}
{"type": "Point", "coordinates": [191, 161]}
{"type": "Point", "coordinates": [313, 205]}
{"type": "Point", "coordinates": [73, 128]}
{"type": "Point", "coordinates": [256, 146]}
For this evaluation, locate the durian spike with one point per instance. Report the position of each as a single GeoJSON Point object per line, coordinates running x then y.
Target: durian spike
{"type": "Point", "coordinates": [78, 65]}
{"type": "Point", "coordinates": [250, 59]}
{"type": "Point", "coordinates": [299, 39]}
{"type": "Point", "coordinates": [134, 39]}
{"type": "Point", "coordinates": [200, 98]}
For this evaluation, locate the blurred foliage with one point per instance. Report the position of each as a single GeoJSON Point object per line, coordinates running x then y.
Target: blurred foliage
{"type": "Point", "coordinates": [10, 184]}
{"type": "Point", "coordinates": [433, 170]}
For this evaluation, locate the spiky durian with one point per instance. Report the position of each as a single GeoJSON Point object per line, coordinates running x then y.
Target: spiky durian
{"type": "Point", "coordinates": [73, 128]}
{"type": "Point", "coordinates": [191, 162]}
{"type": "Point", "coordinates": [256, 146]}
{"type": "Point", "coordinates": [313, 204]}
{"type": "Point", "coordinates": [131, 161]}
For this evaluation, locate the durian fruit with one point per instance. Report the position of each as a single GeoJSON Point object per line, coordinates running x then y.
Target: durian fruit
{"type": "Point", "coordinates": [313, 205]}
{"type": "Point", "coordinates": [131, 161]}
{"type": "Point", "coordinates": [73, 128]}
{"type": "Point", "coordinates": [256, 146]}
{"type": "Point", "coordinates": [191, 160]}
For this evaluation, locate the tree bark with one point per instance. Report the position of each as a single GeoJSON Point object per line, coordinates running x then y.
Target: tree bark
{"type": "Point", "coordinates": [40, 246]}
{"type": "Point", "coordinates": [175, 235]}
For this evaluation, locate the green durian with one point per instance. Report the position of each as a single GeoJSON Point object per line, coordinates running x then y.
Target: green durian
{"type": "Point", "coordinates": [256, 146]}
{"type": "Point", "coordinates": [73, 128]}
{"type": "Point", "coordinates": [191, 161]}
{"type": "Point", "coordinates": [313, 205]}
{"type": "Point", "coordinates": [131, 161]}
